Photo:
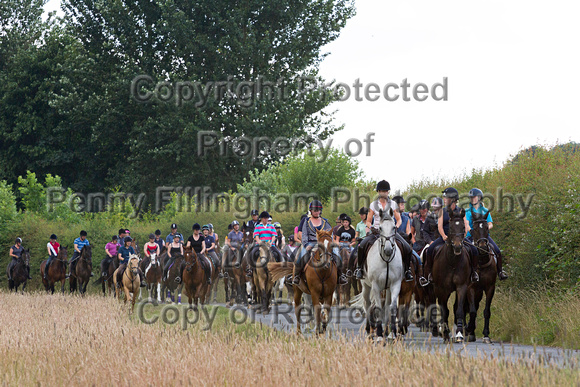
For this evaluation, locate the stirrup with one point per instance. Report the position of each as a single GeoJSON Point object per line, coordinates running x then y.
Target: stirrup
{"type": "Point", "coordinates": [249, 273]}
{"type": "Point", "coordinates": [409, 276]}
{"type": "Point", "coordinates": [474, 277]}
{"type": "Point", "coordinates": [178, 279]}
{"type": "Point", "coordinates": [342, 280]}
{"type": "Point", "coordinates": [502, 275]}
{"type": "Point", "coordinates": [296, 280]}
{"type": "Point", "coordinates": [220, 275]}
{"type": "Point", "coordinates": [349, 273]}
{"type": "Point", "coordinates": [358, 274]}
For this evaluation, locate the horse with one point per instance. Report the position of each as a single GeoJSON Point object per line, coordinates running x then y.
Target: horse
{"type": "Point", "coordinates": [343, 293]}
{"type": "Point", "coordinates": [151, 268]}
{"type": "Point", "coordinates": [194, 279]}
{"type": "Point", "coordinates": [408, 289]}
{"type": "Point", "coordinates": [170, 284]}
{"type": "Point", "coordinates": [487, 278]}
{"type": "Point", "coordinates": [234, 281]}
{"type": "Point", "coordinates": [20, 272]}
{"type": "Point", "coordinates": [56, 271]}
{"type": "Point", "coordinates": [318, 279]}
{"type": "Point", "coordinates": [82, 271]}
{"type": "Point", "coordinates": [213, 288]}
{"type": "Point", "coordinates": [130, 281]}
{"type": "Point", "coordinates": [452, 272]}
{"type": "Point", "coordinates": [262, 279]}
{"type": "Point", "coordinates": [384, 267]}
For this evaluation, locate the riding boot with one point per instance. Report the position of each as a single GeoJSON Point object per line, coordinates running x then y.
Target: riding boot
{"type": "Point", "coordinates": [46, 270]}
{"type": "Point", "coordinates": [501, 274]}
{"type": "Point", "coordinates": [207, 270]}
{"type": "Point", "coordinates": [408, 274]}
{"type": "Point", "coordinates": [142, 278]}
{"type": "Point", "coordinates": [358, 273]}
{"type": "Point", "coordinates": [297, 270]}
{"type": "Point", "coordinates": [425, 279]}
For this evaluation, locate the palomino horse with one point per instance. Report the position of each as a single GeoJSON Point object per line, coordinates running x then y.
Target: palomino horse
{"type": "Point", "coordinates": [20, 272]}
{"type": "Point", "coordinates": [384, 267]}
{"type": "Point", "coordinates": [151, 268]}
{"type": "Point", "coordinates": [487, 277]}
{"type": "Point", "coordinates": [319, 279]}
{"type": "Point", "coordinates": [130, 281]}
{"type": "Point", "coordinates": [82, 273]}
{"type": "Point", "coordinates": [451, 272]}
{"type": "Point", "coordinates": [194, 279]}
{"type": "Point", "coordinates": [170, 284]}
{"type": "Point", "coordinates": [56, 271]}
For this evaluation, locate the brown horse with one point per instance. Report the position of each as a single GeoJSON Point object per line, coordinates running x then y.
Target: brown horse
{"type": "Point", "coordinates": [170, 284]}
{"type": "Point", "coordinates": [56, 271]}
{"type": "Point", "coordinates": [343, 292]}
{"type": "Point", "coordinates": [408, 289]}
{"type": "Point", "coordinates": [130, 282]}
{"type": "Point", "coordinates": [451, 272]}
{"type": "Point", "coordinates": [235, 281]}
{"type": "Point", "coordinates": [319, 279]}
{"type": "Point", "coordinates": [20, 272]}
{"type": "Point", "coordinates": [153, 272]}
{"type": "Point", "coordinates": [81, 275]}
{"type": "Point", "coordinates": [262, 278]}
{"type": "Point", "coordinates": [194, 279]}
{"type": "Point", "coordinates": [487, 277]}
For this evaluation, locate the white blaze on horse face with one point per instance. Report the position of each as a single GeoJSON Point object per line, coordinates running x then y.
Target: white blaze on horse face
{"type": "Point", "coordinates": [325, 244]}
{"type": "Point", "coordinates": [457, 223]}
{"type": "Point", "coordinates": [481, 225]}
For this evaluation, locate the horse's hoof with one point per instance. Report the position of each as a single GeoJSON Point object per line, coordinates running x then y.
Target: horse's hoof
{"type": "Point", "coordinates": [486, 340]}
{"type": "Point", "coordinates": [471, 338]}
{"type": "Point", "coordinates": [459, 338]}
{"type": "Point", "coordinates": [391, 338]}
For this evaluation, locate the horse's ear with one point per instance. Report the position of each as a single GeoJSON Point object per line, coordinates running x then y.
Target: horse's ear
{"type": "Point", "coordinates": [380, 213]}
{"type": "Point", "coordinates": [462, 213]}
{"type": "Point", "coordinates": [391, 213]}
{"type": "Point", "coordinates": [486, 214]}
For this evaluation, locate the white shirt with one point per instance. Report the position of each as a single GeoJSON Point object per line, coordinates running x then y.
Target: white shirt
{"type": "Point", "coordinates": [376, 207]}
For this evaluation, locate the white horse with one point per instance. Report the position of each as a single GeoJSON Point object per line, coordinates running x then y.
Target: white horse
{"type": "Point", "coordinates": [384, 269]}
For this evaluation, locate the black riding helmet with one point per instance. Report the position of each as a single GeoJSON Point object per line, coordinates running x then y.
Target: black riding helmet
{"type": "Point", "coordinates": [83, 233]}
{"type": "Point", "coordinates": [476, 192]}
{"type": "Point", "coordinates": [53, 236]}
{"type": "Point", "coordinates": [398, 199]}
{"type": "Point", "coordinates": [363, 211]}
{"type": "Point", "coordinates": [451, 193]}
{"type": "Point", "coordinates": [315, 205]}
{"type": "Point", "coordinates": [128, 239]}
{"type": "Point", "coordinates": [383, 185]}
{"type": "Point", "coordinates": [254, 212]}
{"type": "Point", "coordinates": [196, 226]}
{"type": "Point", "coordinates": [423, 205]}
{"type": "Point", "coordinates": [264, 214]}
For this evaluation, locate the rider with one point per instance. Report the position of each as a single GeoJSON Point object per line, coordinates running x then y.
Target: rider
{"type": "Point", "coordinates": [213, 234]}
{"type": "Point", "coordinates": [121, 236]}
{"type": "Point", "coordinates": [346, 236]}
{"type": "Point", "coordinates": [476, 207]}
{"type": "Point", "coordinates": [263, 233]}
{"type": "Point", "coordinates": [234, 242]}
{"type": "Point", "coordinates": [158, 239]}
{"type": "Point", "coordinates": [450, 197]}
{"type": "Point", "coordinates": [289, 250]}
{"type": "Point", "coordinates": [124, 253]}
{"type": "Point", "coordinates": [210, 245]}
{"type": "Point", "coordinates": [173, 250]}
{"type": "Point", "coordinates": [361, 227]}
{"type": "Point", "coordinates": [79, 243]}
{"type": "Point", "coordinates": [170, 237]}
{"type": "Point", "coordinates": [374, 220]}
{"type": "Point", "coordinates": [53, 248]}
{"type": "Point", "coordinates": [280, 238]}
{"type": "Point", "coordinates": [309, 239]}
{"type": "Point", "coordinates": [430, 230]}
{"type": "Point", "coordinates": [251, 224]}
{"type": "Point", "coordinates": [16, 252]}
{"type": "Point", "coordinates": [417, 225]}
{"type": "Point", "coordinates": [405, 227]}
{"type": "Point", "coordinates": [111, 249]}
{"type": "Point", "coordinates": [151, 247]}
{"type": "Point", "coordinates": [197, 242]}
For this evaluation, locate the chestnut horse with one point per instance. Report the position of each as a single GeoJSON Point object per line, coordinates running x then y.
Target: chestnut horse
{"type": "Point", "coordinates": [318, 279]}
{"type": "Point", "coordinates": [194, 279]}
{"type": "Point", "coordinates": [487, 277]}
{"type": "Point", "coordinates": [56, 271]}
{"type": "Point", "coordinates": [82, 272]}
{"type": "Point", "coordinates": [130, 281]}
{"type": "Point", "coordinates": [452, 272]}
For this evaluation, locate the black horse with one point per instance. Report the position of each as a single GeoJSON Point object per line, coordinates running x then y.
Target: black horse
{"type": "Point", "coordinates": [19, 272]}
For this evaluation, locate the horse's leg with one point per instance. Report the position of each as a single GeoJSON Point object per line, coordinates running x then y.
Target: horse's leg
{"type": "Point", "coordinates": [377, 312]}
{"type": "Point", "coordinates": [395, 290]}
{"type": "Point", "coordinates": [461, 294]}
{"type": "Point", "coordinates": [487, 313]}
{"type": "Point", "coordinates": [473, 306]}
{"type": "Point", "coordinates": [297, 308]}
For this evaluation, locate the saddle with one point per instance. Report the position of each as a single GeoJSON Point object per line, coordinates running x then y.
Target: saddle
{"type": "Point", "coordinates": [204, 261]}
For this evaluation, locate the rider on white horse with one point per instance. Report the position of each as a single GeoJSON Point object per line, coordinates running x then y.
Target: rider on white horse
{"type": "Point", "coordinates": [373, 222]}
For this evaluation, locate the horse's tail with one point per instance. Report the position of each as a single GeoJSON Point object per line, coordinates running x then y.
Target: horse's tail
{"type": "Point", "coordinates": [357, 301]}
{"type": "Point", "coordinates": [280, 269]}
{"type": "Point", "coordinates": [99, 281]}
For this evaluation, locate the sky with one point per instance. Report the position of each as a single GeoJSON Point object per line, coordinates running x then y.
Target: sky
{"type": "Point", "coordinates": [513, 81]}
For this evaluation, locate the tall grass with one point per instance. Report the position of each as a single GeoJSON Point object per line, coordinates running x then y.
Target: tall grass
{"type": "Point", "coordinates": [55, 340]}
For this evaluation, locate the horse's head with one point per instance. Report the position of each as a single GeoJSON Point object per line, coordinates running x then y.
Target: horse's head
{"type": "Point", "coordinates": [87, 253]}
{"type": "Point", "coordinates": [26, 256]}
{"type": "Point", "coordinates": [63, 253]}
{"type": "Point", "coordinates": [480, 230]}
{"type": "Point", "coordinates": [134, 264]}
{"type": "Point", "coordinates": [323, 246]}
{"type": "Point", "coordinates": [190, 258]}
{"type": "Point", "coordinates": [456, 230]}
{"type": "Point", "coordinates": [387, 229]}
{"type": "Point", "coordinates": [153, 258]}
